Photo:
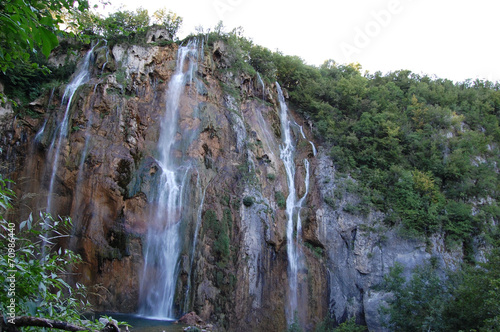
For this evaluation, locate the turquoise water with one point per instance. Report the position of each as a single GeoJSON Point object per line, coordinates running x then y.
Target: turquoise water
{"type": "Point", "coordinates": [143, 324]}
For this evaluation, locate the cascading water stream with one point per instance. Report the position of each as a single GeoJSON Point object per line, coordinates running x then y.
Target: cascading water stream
{"type": "Point", "coordinates": [162, 246]}
{"type": "Point", "coordinates": [313, 148]}
{"type": "Point", "coordinates": [301, 201]}
{"type": "Point", "coordinates": [42, 130]}
{"type": "Point", "coordinates": [263, 86]}
{"type": "Point", "coordinates": [195, 240]}
{"type": "Point", "coordinates": [198, 222]}
{"type": "Point", "coordinates": [301, 130]}
{"type": "Point", "coordinates": [293, 205]}
{"type": "Point", "coordinates": [107, 56]}
{"type": "Point", "coordinates": [80, 178]}
{"type": "Point", "coordinates": [82, 76]}
{"type": "Point", "coordinates": [304, 137]}
{"type": "Point", "coordinates": [87, 136]}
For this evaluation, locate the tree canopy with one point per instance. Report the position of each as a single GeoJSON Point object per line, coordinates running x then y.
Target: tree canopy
{"type": "Point", "coordinates": [423, 150]}
{"type": "Point", "coordinates": [464, 300]}
{"type": "Point", "coordinates": [31, 25]}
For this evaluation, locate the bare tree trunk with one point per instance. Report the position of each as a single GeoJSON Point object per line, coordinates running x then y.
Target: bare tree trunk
{"type": "Point", "coordinates": [21, 321]}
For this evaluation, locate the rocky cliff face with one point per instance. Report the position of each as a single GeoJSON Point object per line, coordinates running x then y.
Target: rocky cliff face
{"type": "Point", "coordinates": [233, 262]}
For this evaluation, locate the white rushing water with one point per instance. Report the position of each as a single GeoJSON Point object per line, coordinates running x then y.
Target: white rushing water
{"type": "Point", "coordinates": [202, 193]}
{"type": "Point", "coordinates": [107, 56]}
{"type": "Point", "coordinates": [162, 245]}
{"type": "Point", "coordinates": [293, 205]}
{"type": "Point", "coordinates": [315, 152]}
{"type": "Point", "coordinates": [302, 199]}
{"type": "Point", "coordinates": [301, 130]}
{"type": "Point", "coordinates": [88, 136]}
{"type": "Point", "coordinates": [81, 77]}
{"type": "Point", "coordinates": [263, 86]}
{"type": "Point", "coordinates": [304, 137]}
{"type": "Point", "coordinates": [39, 134]}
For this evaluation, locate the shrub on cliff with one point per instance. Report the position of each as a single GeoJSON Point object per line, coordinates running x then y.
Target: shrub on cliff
{"type": "Point", "coordinates": [327, 325]}
{"type": "Point", "coordinates": [248, 201]}
{"type": "Point", "coordinates": [467, 299]}
{"type": "Point", "coordinates": [122, 25]}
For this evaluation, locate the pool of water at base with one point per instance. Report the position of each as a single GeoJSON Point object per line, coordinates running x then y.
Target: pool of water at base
{"type": "Point", "coordinates": [143, 324]}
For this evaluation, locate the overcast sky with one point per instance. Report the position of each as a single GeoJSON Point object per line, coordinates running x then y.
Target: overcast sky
{"type": "Point", "coordinates": [449, 39]}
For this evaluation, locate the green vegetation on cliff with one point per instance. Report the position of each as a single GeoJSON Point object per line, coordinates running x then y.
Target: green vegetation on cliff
{"type": "Point", "coordinates": [424, 151]}
{"type": "Point", "coordinates": [464, 300]}
{"type": "Point", "coordinates": [29, 25]}
{"type": "Point", "coordinates": [30, 31]}
{"type": "Point", "coordinates": [123, 25]}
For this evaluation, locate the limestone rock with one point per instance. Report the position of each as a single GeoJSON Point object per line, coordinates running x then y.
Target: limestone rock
{"type": "Point", "coordinates": [158, 35]}
{"type": "Point", "coordinates": [191, 318]}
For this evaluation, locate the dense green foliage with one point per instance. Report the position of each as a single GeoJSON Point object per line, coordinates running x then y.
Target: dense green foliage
{"type": "Point", "coordinates": [419, 304]}
{"type": "Point", "coordinates": [347, 326]}
{"type": "Point", "coordinates": [29, 29]}
{"type": "Point", "coordinates": [424, 151]}
{"type": "Point", "coordinates": [466, 300]}
{"type": "Point", "coordinates": [26, 80]}
{"type": "Point", "coordinates": [26, 25]}
{"type": "Point", "coordinates": [476, 297]}
{"type": "Point", "coordinates": [329, 325]}
{"type": "Point", "coordinates": [33, 278]}
{"type": "Point", "coordinates": [219, 230]}
{"type": "Point", "coordinates": [123, 25]}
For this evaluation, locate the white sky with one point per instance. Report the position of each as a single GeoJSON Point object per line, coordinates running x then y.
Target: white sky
{"type": "Point", "coordinates": [449, 39]}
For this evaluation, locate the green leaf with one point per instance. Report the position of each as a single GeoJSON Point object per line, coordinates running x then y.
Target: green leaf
{"type": "Point", "coordinates": [49, 41]}
{"type": "Point", "coordinates": [31, 306]}
{"type": "Point", "coordinates": [27, 223]}
{"type": "Point", "coordinates": [47, 20]}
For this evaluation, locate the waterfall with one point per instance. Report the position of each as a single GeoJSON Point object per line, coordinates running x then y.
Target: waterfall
{"type": "Point", "coordinates": [313, 148]}
{"type": "Point", "coordinates": [162, 245]}
{"type": "Point", "coordinates": [301, 130]}
{"type": "Point", "coordinates": [301, 201]}
{"type": "Point", "coordinates": [195, 240]}
{"type": "Point", "coordinates": [293, 205]}
{"type": "Point", "coordinates": [304, 137]}
{"type": "Point", "coordinates": [79, 177]}
{"type": "Point", "coordinates": [42, 130]}
{"type": "Point", "coordinates": [263, 86]}
{"type": "Point", "coordinates": [81, 77]}
{"type": "Point", "coordinates": [87, 136]}
{"type": "Point", "coordinates": [107, 56]}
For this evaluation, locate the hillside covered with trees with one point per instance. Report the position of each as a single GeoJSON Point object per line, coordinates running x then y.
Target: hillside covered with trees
{"type": "Point", "coordinates": [421, 150]}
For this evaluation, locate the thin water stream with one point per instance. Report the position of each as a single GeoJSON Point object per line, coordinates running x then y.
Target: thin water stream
{"type": "Point", "coordinates": [293, 206]}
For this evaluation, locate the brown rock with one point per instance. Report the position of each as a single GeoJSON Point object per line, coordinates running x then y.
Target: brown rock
{"type": "Point", "coordinates": [191, 319]}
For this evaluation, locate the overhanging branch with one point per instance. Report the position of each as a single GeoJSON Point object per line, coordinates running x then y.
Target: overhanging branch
{"type": "Point", "coordinates": [22, 321]}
